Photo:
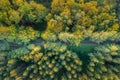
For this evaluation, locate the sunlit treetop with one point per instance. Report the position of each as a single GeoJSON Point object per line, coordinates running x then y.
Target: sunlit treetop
{"type": "Point", "coordinates": [21, 12]}
{"type": "Point", "coordinates": [81, 14]}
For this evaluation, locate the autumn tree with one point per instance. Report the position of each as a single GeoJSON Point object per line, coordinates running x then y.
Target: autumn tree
{"type": "Point", "coordinates": [21, 12]}
{"type": "Point", "coordinates": [72, 15]}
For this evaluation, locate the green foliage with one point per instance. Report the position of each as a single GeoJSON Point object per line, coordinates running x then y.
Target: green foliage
{"type": "Point", "coordinates": [104, 63]}
{"type": "Point", "coordinates": [101, 37]}
{"type": "Point", "coordinates": [73, 39]}
{"type": "Point", "coordinates": [49, 36]}
{"type": "Point", "coordinates": [27, 34]}
{"type": "Point", "coordinates": [22, 12]}
{"type": "Point", "coordinates": [4, 5]}
{"type": "Point", "coordinates": [3, 62]}
{"type": "Point", "coordinates": [14, 16]}
{"type": "Point", "coordinates": [33, 12]}
{"type": "Point", "coordinates": [18, 52]}
{"type": "Point", "coordinates": [65, 37]}
{"type": "Point", "coordinates": [58, 53]}
{"type": "Point", "coordinates": [73, 15]}
{"type": "Point", "coordinates": [4, 46]}
{"type": "Point", "coordinates": [20, 35]}
{"type": "Point", "coordinates": [50, 64]}
{"type": "Point", "coordinates": [56, 46]}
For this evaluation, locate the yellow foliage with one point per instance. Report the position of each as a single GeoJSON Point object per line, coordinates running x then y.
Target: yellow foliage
{"type": "Point", "coordinates": [4, 29]}
{"type": "Point", "coordinates": [105, 16]}
{"type": "Point", "coordinates": [36, 6]}
{"type": "Point", "coordinates": [26, 58]}
{"type": "Point", "coordinates": [81, 13]}
{"type": "Point", "coordinates": [12, 61]}
{"type": "Point", "coordinates": [52, 24]}
{"type": "Point", "coordinates": [13, 73]}
{"type": "Point", "coordinates": [48, 17]}
{"type": "Point", "coordinates": [6, 78]}
{"type": "Point", "coordinates": [5, 5]}
{"type": "Point", "coordinates": [25, 74]}
{"type": "Point", "coordinates": [105, 78]}
{"type": "Point", "coordinates": [14, 16]}
{"type": "Point", "coordinates": [84, 77]}
{"type": "Point", "coordinates": [113, 48]}
{"type": "Point", "coordinates": [70, 3]}
{"type": "Point", "coordinates": [44, 35]}
{"type": "Point", "coordinates": [18, 78]}
{"type": "Point", "coordinates": [90, 7]}
{"type": "Point", "coordinates": [55, 26]}
{"type": "Point", "coordinates": [18, 2]}
{"type": "Point", "coordinates": [110, 3]}
{"type": "Point", "coordinates": [37, 48]}
{"type": "Point", "coordinates": [4, 18]}
{"type": "Point", "coordinates": [66, 13]}
{"type": "Point", "coordinates": [38, 56]}
{"type": "Point", "coordinates": [55, 69]}
{"type": "Point", "coordinates": [85, 21]}
{"type": "Point", "coordinates": [57, 5]}
{"type": "Point", "coordinates": [115, 27]}
{"type": "Point", "coordinates": [50, 36]}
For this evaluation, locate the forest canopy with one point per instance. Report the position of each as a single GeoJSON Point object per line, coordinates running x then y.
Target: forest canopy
{"type": "Point", "coordinates": [59, 40]}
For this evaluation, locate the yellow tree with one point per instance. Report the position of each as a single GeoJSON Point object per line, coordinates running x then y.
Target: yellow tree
{"type": "Point", "coordinates": [81, 14]}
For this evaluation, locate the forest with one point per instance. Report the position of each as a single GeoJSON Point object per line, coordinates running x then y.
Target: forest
{"type": "Point", "coordinates": [59, 39]}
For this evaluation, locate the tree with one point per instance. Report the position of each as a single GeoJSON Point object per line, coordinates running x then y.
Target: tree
{"type": "Point", "coordinates": [21, 12]}
{"type": "Point", "coordinates": [82, 14]}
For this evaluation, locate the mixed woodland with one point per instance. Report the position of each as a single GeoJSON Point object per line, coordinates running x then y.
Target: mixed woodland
{"type": "Point", "coordinates": [59, 39]}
